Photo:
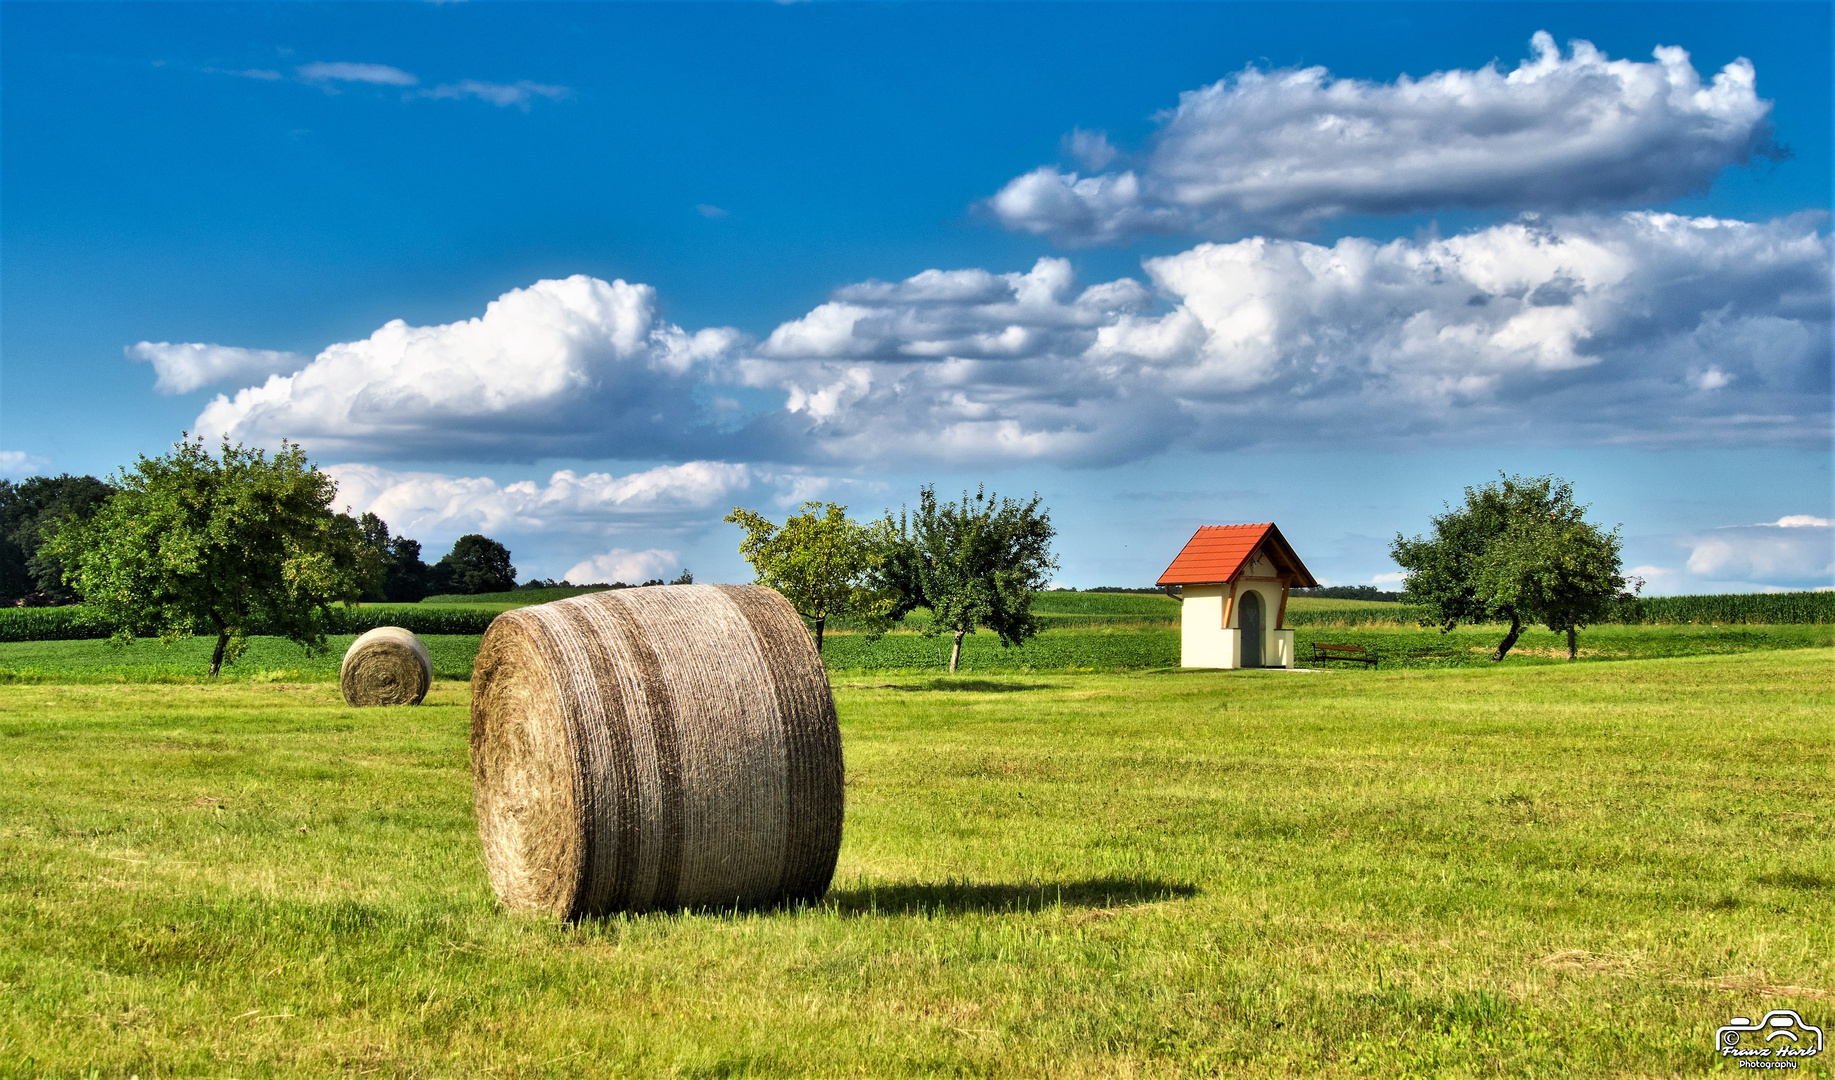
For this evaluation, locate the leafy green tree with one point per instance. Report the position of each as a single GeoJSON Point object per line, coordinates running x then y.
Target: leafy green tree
{"type": "Point", "coordinates": [376, 539]}
{"type": "Point", "coordinates": [1563, 573]}
{"type": "Point", "coordinates": [821, 560]}
{"type": "Point", "coordinates": [193, 543]}
{"type": "Point", "coordinates": [31, 512]}
{"type": "Point", "coordinates": [1519, 550]}
{"type": "Point", "coordinates": [404, 575]}
{"type": "Point", "coordinates": [976, 563]}
{"type": "Point", "coordinates": [476, 564]}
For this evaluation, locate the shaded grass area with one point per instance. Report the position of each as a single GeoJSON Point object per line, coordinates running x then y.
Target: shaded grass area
{"type": "Point", "coordinates": [267, 659]}
{"type": "Point", "coordinates": [1521, 871]}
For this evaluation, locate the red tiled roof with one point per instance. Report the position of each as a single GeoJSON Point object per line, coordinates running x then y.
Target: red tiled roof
{"type": "Point", "coordinates": [1217, 553]}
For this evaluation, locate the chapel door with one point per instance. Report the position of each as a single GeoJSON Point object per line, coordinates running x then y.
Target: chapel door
{"type": "Point", "coordinates": [1251, 626]}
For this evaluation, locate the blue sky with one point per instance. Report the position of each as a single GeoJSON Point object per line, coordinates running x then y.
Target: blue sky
{"type": "Point", "coordinates": [1328, 292]}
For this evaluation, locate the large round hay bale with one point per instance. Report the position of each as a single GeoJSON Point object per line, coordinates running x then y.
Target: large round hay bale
{"type": "Point", "coordinates": [386, 666]}
{"type": "Point", "coordinates": [655, 748]}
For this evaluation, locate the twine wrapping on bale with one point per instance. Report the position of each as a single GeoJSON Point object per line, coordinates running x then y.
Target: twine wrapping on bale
{"type": "Point", "coordinates": [386, 666]}
{"type": "Point", "coordinates": [655, 748]}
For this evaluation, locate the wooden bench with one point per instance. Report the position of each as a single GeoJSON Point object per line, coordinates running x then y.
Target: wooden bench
{"type": "Point", "coordinates": [1356, 654]}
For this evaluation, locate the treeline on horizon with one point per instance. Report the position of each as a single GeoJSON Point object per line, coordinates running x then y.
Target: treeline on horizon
{"type": "Point", "coordinates": [74, 622]}
{"type": "Point", "coordinates": [33, 509]}
{"type": "Point", "coordinates": [43, 608]}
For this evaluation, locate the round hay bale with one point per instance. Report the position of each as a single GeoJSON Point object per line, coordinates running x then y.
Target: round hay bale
{"type": "Point", "coordinates": [655, 748]}
{"type": "Point", "coordinates": [387, 666]}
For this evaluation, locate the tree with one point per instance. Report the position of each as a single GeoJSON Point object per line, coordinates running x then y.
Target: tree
{"type": "Point", "coordinates": [974, 563]}
{"type": "Point", "coordinates": [192, 542]}
{"type": "Point", "coordinates": [405, 578]}
{"type": "Point", "coordinates": [821, 560]}
{"type": "Point", "coordinates": [404, 575]}
{"type": "Point", "coordinates": [1564, 574]}
{"type": "Point", "coordinates": [476, 564]}
{"type": "Point", "coordinates": [31, 512]}
{"type": "Point", "coordinates": [1519, 550]}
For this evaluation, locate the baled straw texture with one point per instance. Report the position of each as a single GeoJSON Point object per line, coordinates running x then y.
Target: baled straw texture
{"type": "Point", "coordinates": [386, 666]}
{"type": "Point", "coordinates": [656, 748]}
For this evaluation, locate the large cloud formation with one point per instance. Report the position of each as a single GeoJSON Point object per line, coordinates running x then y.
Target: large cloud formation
{"type": "Point", "coordinates": [573, 367]}
{"type": "Point", "coordinates": [1642, 328]}
{"type": "Point", "coordinates": [1279, 151]}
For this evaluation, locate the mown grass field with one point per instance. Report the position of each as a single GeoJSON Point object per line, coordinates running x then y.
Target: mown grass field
{"type": "Point", "coordinates": [1527, 870]}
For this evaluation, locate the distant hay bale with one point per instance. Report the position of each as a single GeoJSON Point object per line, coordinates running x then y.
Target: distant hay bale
{"type": "Point", "coordinates": [386, 666]}
{"type": "Point", "coordinates": [655, 748]}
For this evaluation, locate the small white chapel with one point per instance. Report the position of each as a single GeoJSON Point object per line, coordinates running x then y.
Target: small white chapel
{"type": "Point", "coordinates": [1231, 582]}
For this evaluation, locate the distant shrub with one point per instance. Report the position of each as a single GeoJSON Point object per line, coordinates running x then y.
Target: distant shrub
{"type": "Point", "coordinates": [1350, 592]}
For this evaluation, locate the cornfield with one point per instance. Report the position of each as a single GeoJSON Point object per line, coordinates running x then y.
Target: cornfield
{"type": "Point", "coordinates": [1761, 608]}
{"type": "Point", "coordinates": [77, 623]}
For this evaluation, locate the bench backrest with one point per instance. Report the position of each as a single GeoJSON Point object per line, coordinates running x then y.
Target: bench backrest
{"type": "Point", "coordinates": [1358, 649]}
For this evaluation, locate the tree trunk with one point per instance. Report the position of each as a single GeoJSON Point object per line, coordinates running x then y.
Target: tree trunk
{"type": "Point", "coordinates": [1573, 647]}
{"type": "Point", "coordinates": [955, 653]}
{"type": "Point", "coordinates": [1516, 631]}
{"type": "Point", "coordinates": [216, 658]}
{"type": "Point", "coordinates": [821, 621]}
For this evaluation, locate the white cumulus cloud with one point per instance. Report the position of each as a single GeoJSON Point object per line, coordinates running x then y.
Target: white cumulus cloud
{"type": "Point", "coordinates": [439, 505]}
{"type": "Point", "coordinates": [1596, 327]}
{"type": "Point", "coordinates": [186, 366]}
{"type": "Point", "coordinates": [619, 564]}
{"type": "Point", "coordinates": [1644, 328]}
{"type": "Point", "coordinates": [573, 367]}
{"type": "Point", "coordinates": [17, 464]}
{"type": "Point", "coordinates": [1280, 151]}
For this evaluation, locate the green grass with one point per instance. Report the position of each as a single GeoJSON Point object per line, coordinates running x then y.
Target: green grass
{"type": "Point", "coordinates": [1530, 870]}
{"type": "Point", "coordinates": [76, 623]}
{"type": "Point", "coordinates": [268, 659]}
{"type": "Point", "coordinates": [1090, 650]}
{"type": "Point", "coordinates": [1112, 647]}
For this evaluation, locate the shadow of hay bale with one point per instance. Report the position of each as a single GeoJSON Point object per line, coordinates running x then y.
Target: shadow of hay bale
{"type": "Point", "coordinates": [969, 898]}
